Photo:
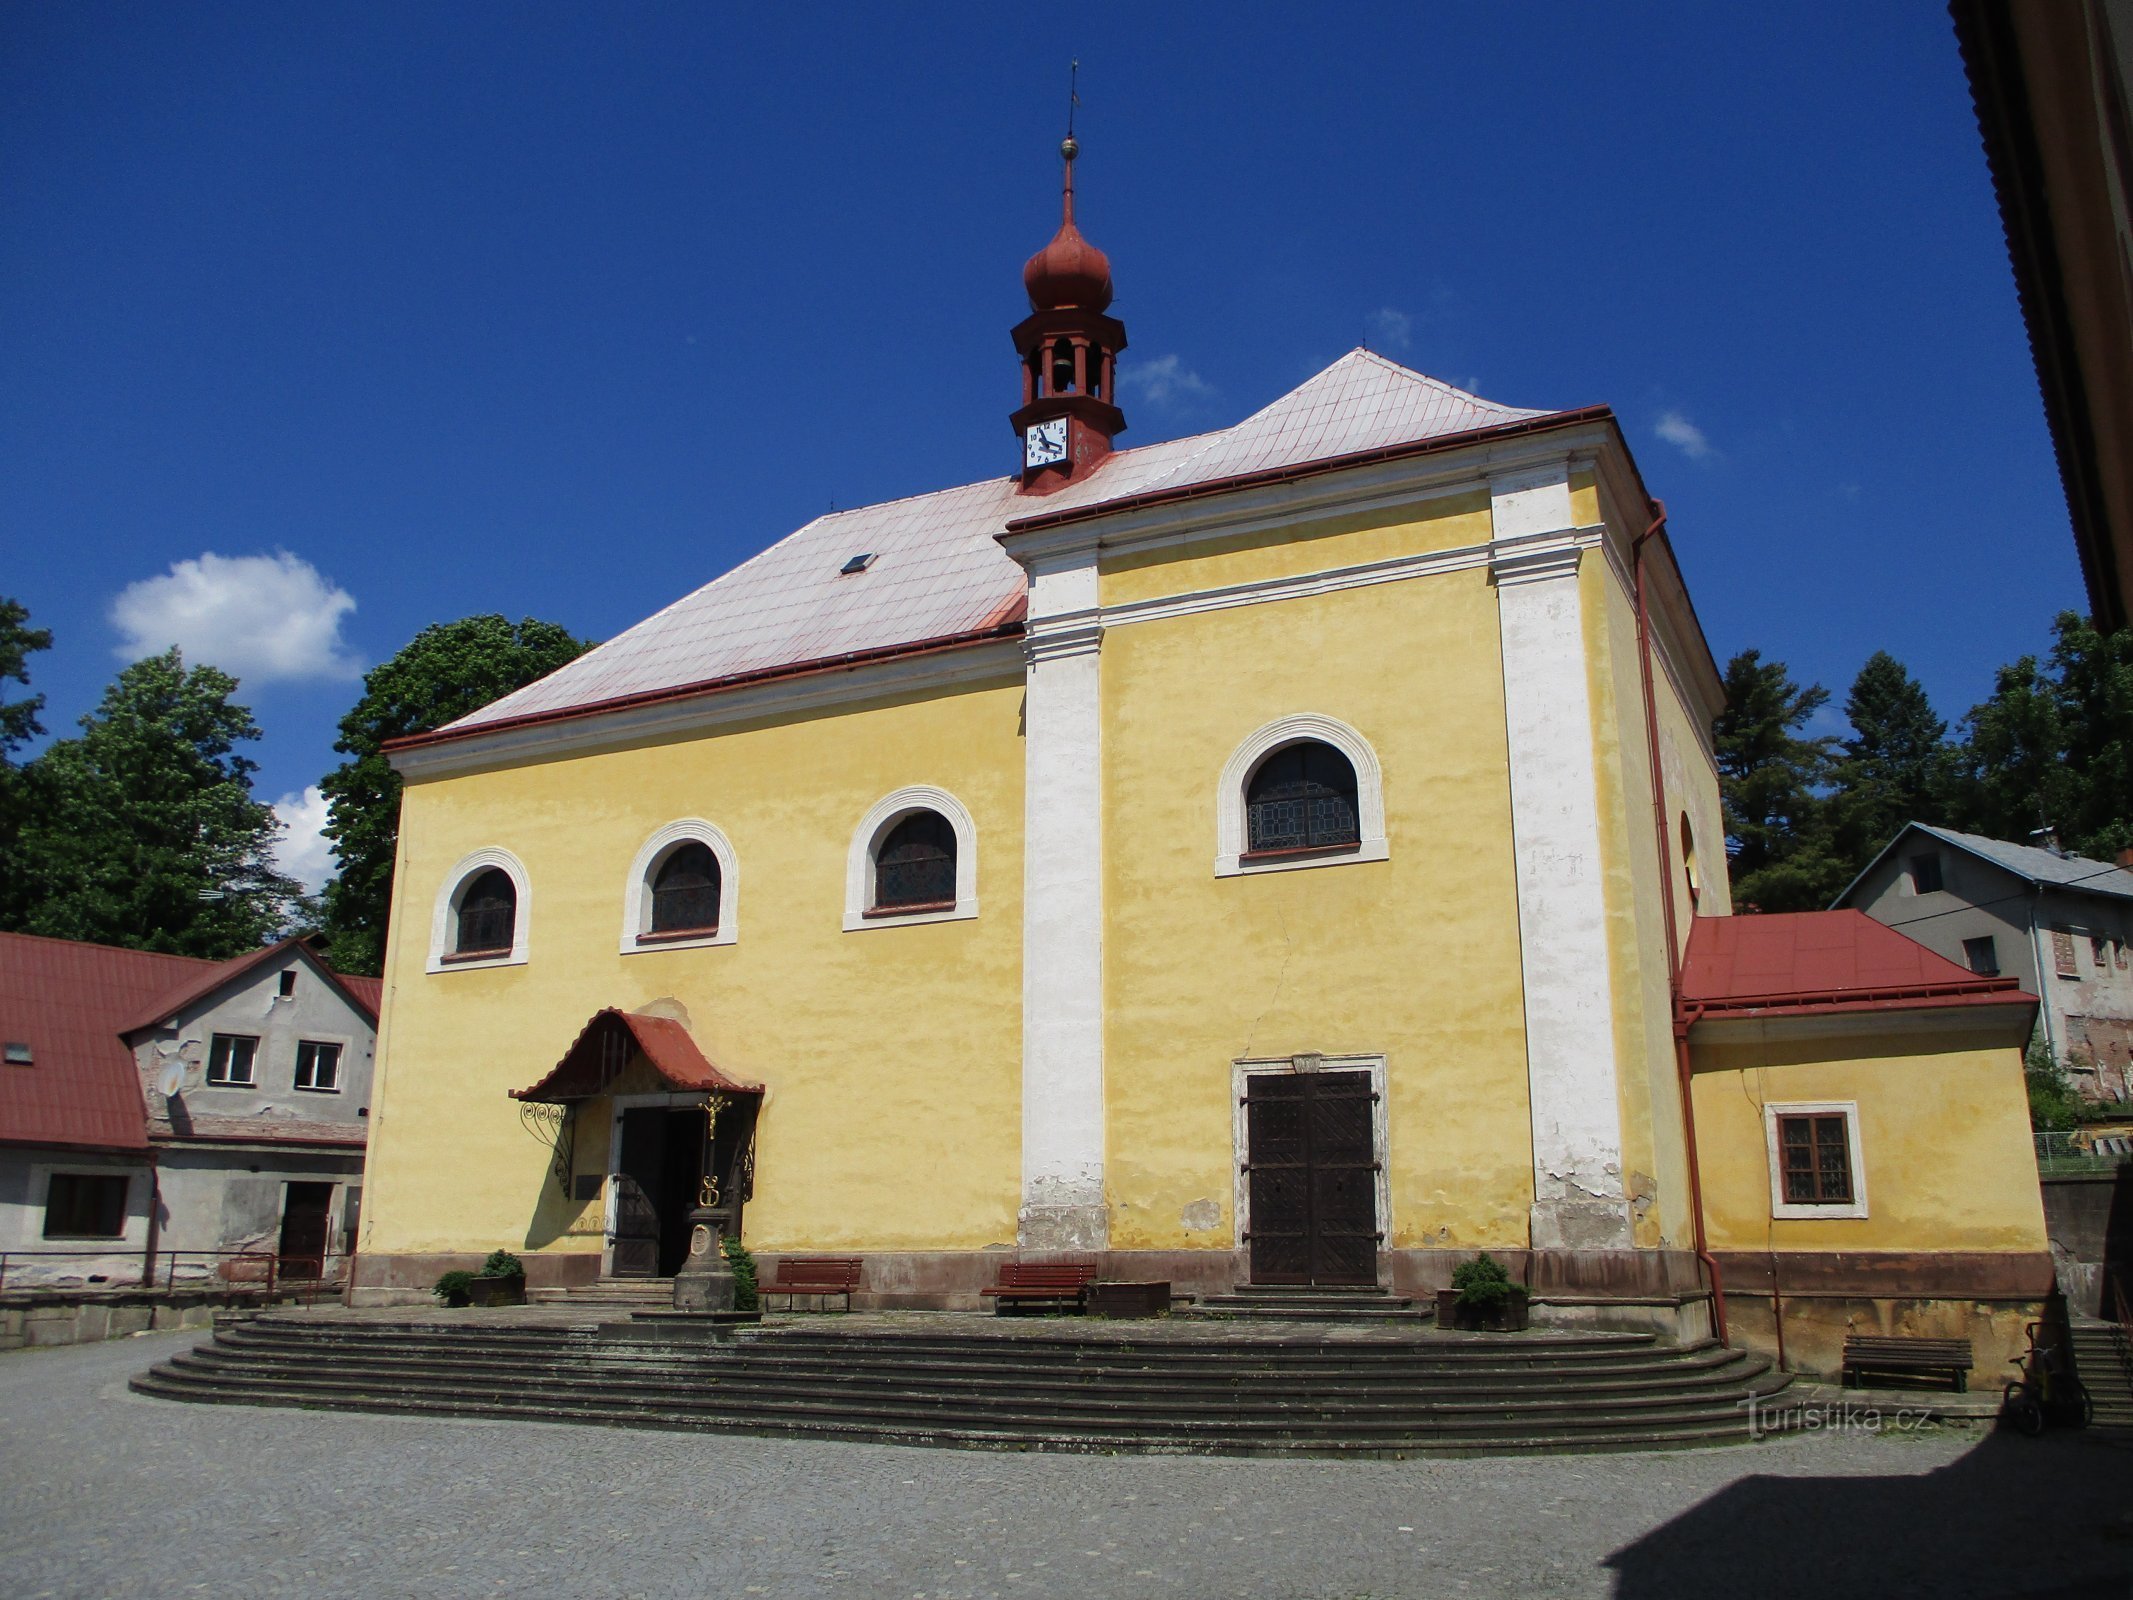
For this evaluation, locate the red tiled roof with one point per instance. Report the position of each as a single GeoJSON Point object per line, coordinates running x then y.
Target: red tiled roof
{"type": "Point", "coordinates": [1803, 962]}
{"type": "Point", "coordinates": [67, 1001]}
{"type": "Point", "coordinates": [601, 1051]}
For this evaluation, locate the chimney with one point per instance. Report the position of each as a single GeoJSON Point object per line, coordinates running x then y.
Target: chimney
{"type": "Point", "coordinates": [2125, 858]}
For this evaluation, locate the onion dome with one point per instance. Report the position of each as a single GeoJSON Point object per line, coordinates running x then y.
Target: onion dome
{"type": "Point", "coordinates": [1069, 274]}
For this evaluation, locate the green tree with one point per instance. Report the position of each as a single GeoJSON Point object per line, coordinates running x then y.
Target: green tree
{"type": "Point", "coordinates": [146, 833]}
{"type": "Point", "coordinates": [1771, 777]}
{"type": "Point", "coordinates": [2053, 746]}
{"type": "Point", "coordinates": [1894, 769]}
{"type": "Point", "coordinates": [445, 672]}
{"type": "Point", "coordinates": [18, 725]}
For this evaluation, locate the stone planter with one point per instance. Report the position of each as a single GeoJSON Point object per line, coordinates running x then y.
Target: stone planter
{"type": "Point", "coordinates": [496, 1291]}
{"type": "Point", "coordinates": [1506, 1316]}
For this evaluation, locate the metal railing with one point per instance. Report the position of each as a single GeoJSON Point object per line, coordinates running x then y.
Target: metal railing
{"type": "Point", "coordinates": [2059, 1154]}
{"type": "Point", "coordinates": [265, 1272]}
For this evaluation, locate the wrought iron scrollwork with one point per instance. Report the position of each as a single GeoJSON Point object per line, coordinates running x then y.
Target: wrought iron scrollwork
{"type": "Point", "coordinates": [556, 1127]}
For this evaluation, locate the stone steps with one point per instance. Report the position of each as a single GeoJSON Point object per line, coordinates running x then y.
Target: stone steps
{"type": "Point", "coordinates": [2103, 1358]}
{"type": "Point", "coordinates": [1299, 1393]}
{"type": "Point", "coordinates": [633, 1293]}
{"type": "Point", "coordinates": [1304, 1304]}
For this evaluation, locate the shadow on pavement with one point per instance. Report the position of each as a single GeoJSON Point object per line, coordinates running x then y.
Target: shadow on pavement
{"type": "Point", "coordinates": [2049, 1517]}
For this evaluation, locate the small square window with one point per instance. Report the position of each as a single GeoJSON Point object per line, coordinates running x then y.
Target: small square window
{"type": "Point", "coordinates": [1814, 1160]}
{"type": "Point", "coordinates": [318, 1067]}
{"type": "Point", "coordinates": [858, 563]}
{"type": "Point", "coordinates": [229, 1060]}
{"type": "Point", "coordinates": [1983, 956]}
{"type": "Point", "coordinates": [2099, 951]}
{"type": "Point", "coordinates": [1925, 874]}
{"type": "Point", "coordinates": [19, 1054]}
{"type": "Point", "coordinates": [85, 1206]}
{"type": "Point", "coordinates": [288, 983]}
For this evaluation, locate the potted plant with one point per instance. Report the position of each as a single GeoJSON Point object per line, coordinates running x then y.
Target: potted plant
{"type": "Point", "coordinates": [500, 1282]}
{"type": "Point", "coordinates": [1482, 1298]}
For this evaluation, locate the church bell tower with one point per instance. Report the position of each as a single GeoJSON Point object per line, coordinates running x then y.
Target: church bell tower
{"type": "Point", "coordinates": [1069, 351]}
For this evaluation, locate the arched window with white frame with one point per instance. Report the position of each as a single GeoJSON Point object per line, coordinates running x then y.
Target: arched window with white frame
{"type": "Point", "coordinates": [483, 910]}
{"type": "Point", "coordinates": [1303, 791]}
{"type": "Point", "coordinates": [682, 891]}
{"type": "Point", "coordinates": [913, 858]}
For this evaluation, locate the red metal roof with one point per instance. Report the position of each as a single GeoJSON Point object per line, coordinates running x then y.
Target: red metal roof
{"type": "Point", "coordinates": [605, 1047]}
{"type": "Point", "coordinates": [67, 1001]}
{"type": "Point", "coordinates": [1804, 962]}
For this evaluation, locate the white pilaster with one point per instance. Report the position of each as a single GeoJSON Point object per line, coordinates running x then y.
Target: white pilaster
{"type": "Point", "coordinates": [1063, 1204]}
{"type": "Point", "coordinates": [1579, 1200]}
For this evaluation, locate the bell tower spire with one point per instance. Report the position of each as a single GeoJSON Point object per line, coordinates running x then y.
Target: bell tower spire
{"type": "Point", "coordinates": [1069, 350]}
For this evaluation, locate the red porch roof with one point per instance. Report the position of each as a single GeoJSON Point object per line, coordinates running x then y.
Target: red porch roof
{"type": "Point", "coordinates": [1807, 962]}
{"type": "Point", "coordinates": [600, 1053]}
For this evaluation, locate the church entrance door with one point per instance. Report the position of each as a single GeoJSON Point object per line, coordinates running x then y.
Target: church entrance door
{"type": "Point", "coordinates": [656, 1181]}
{"type": "Point", "coordinates": [1313, 1177]}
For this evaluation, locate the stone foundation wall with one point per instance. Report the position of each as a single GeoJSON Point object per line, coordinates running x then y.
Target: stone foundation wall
{"type": "Point", "coordinates": [51, 1317]}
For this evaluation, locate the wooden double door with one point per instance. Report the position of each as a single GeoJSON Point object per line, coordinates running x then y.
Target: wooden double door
{"type": "Point", "coordinates": [1311, 1173]}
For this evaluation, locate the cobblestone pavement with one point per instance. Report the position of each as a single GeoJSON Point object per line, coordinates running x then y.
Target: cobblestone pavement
{"type": "Point", "coordinates": [103, 1493]}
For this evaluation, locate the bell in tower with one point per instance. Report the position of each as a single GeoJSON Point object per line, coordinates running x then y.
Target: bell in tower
{"type": "Point", "coordinates": [1069, 351]}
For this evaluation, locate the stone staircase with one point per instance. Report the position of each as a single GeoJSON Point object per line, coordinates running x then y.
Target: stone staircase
{"type": "Point", "coordinates": [609, 1294]}
{"type": "Point", "coordinates": [2103, 1359]}
{"type": "Point", "coordinates": [1200, 1390]}
{"type": "Point", "coordinates": [1309, 1304]}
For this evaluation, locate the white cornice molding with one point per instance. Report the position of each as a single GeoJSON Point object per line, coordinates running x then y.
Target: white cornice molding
{"type": "Point", "coordinates": [1077, 633]}
{"type": "Point", "coordinates": [999, 661]}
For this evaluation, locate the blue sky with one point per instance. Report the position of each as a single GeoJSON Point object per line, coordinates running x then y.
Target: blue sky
{"type": "Point", "coordinates": [405, 312]}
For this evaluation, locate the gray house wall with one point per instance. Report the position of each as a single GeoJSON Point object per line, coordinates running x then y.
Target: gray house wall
{"type": "Point", "coordinates": [2087, 1015]}
{"type": "Point", "coordinates": [229, 1153]}
{"type": "Point", "coordinates": [25, 1180]}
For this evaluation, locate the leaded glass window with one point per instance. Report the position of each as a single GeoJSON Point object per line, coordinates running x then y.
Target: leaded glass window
{"type": "Point", "coordinates": [685, 891]}
{"type": "Point", "coordinates": [1817, 1159]}
{"type": "Point", "coordinates": [488, 911]}
{"type": "Point", "coordinates": [915, 863]}
{"type": "Point", "coordinates": [1302, 798]}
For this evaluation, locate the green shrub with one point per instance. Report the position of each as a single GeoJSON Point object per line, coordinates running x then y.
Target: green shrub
{"type": "Point", "coordinates": [503, 1264]}
{"type": "Point", "coordinates": [452, 1288]}
{"type": "Point", "coordinates": [1482, 1282]}
{"type": "Point", "coordinates": [2054, 1107]}
{"type": "Point", "coordinates": [743, 1265]}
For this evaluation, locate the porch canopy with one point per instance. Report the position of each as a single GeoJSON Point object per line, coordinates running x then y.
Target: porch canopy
{"type": "Point", "coordinates": [608, 1044]}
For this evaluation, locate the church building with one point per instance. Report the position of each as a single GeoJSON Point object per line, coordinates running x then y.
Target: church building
{"type": "Point", "coordinates": [1290, 854]}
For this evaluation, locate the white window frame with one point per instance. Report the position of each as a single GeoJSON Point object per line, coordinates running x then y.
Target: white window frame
{"type": "Point", "coordinates": [444, 919]}
{"type": "Point", "coordinates": [1784, 1210]}
{"type": "Point", "coordinates": [251, 1078]}
{"type": "Point", "coordinates": [885, 814]}
{"type": "Point", "coordinates": [1231, 833]}
{"type": "Point", "coordinates": [1244, 1069]}
{"type": "Point", "coordinates": [340, 1063]}
{"type": "Point", "coordinates": [637, 887]}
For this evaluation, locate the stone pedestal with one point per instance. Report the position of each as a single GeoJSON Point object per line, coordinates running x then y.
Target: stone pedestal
{"type": "Point", "coordinates": [705, 1281]}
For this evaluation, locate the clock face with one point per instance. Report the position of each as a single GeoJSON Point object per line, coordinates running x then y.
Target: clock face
{"type": "Point", "coordinates": [1044, 443]}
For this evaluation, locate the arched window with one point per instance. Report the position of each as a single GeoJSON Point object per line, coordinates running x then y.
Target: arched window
{"type": "Point", "coordinates": [1690, 871]}
{"type": "Point", "coordinates": [685, 891]}
{"type": "Point", "coordinates": [1302, 797]}
{"type": "Point", "coordinates": [913, 858]}
{"type": "Point", "coordinates": [914, 865]}
{"type": "Point", "coordinates": [1304, 791]}
{"type": "Point", "coordinates": [487, 914]}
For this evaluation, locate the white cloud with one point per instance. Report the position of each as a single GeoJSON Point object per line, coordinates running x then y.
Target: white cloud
{"type": "Point", "coordinates": [263, 618]}
{"type": "Point", "coordinates": [1390, 329]}
{"type": "Point", "coordinates": [1683, 435]}
{"type": "Point", "coordinates": [302, 849]}
{"type": "Point", "coordinates": [1166, 383]}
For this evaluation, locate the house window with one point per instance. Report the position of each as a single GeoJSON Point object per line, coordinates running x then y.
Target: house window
{"type": "Point", "coordinates": [85, 1206]}
{"type": "Point", "coordinates": [2098, 951]}
{"type": "Point", "coordinates": [1302, 797]}
{"type": "Point", "coordinates": [685, 891]}
{"type": "Point", "coordinates": [488, 909]}
{"type": "Point", "coordinates": [1983, 956]}
{"type": "Point", "coordinates": [1816, 1158]}
{"type": "Point", "coordinates": [2064, 962]}
{"type": "Point", "coordinates": [1925, 874]}
{"type": "Point", "coordinates": [229, 1060]}
{"type": "Point", "coordinates": [914, 865]}
{"type": "Point", "coordinates": [288, 983]}
{"type": "Point", "coordinates": [318, 1067]}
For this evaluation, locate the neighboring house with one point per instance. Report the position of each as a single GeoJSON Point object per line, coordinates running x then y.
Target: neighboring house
{"type": "Point", "coordinates": [1263, 856]}
{"type": "Point", "coordinates": [2061, 925]}
{"type": "Point", "coordinates": [186, 1110]}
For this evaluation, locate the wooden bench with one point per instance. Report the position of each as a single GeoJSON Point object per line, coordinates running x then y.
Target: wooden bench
{"type": "Point", "coordinates": [821, 1276]}
{"type": "Point", "coordinates": [1908, 1358]}
{"type": "Point", "coordinates": [1041, 1285]}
